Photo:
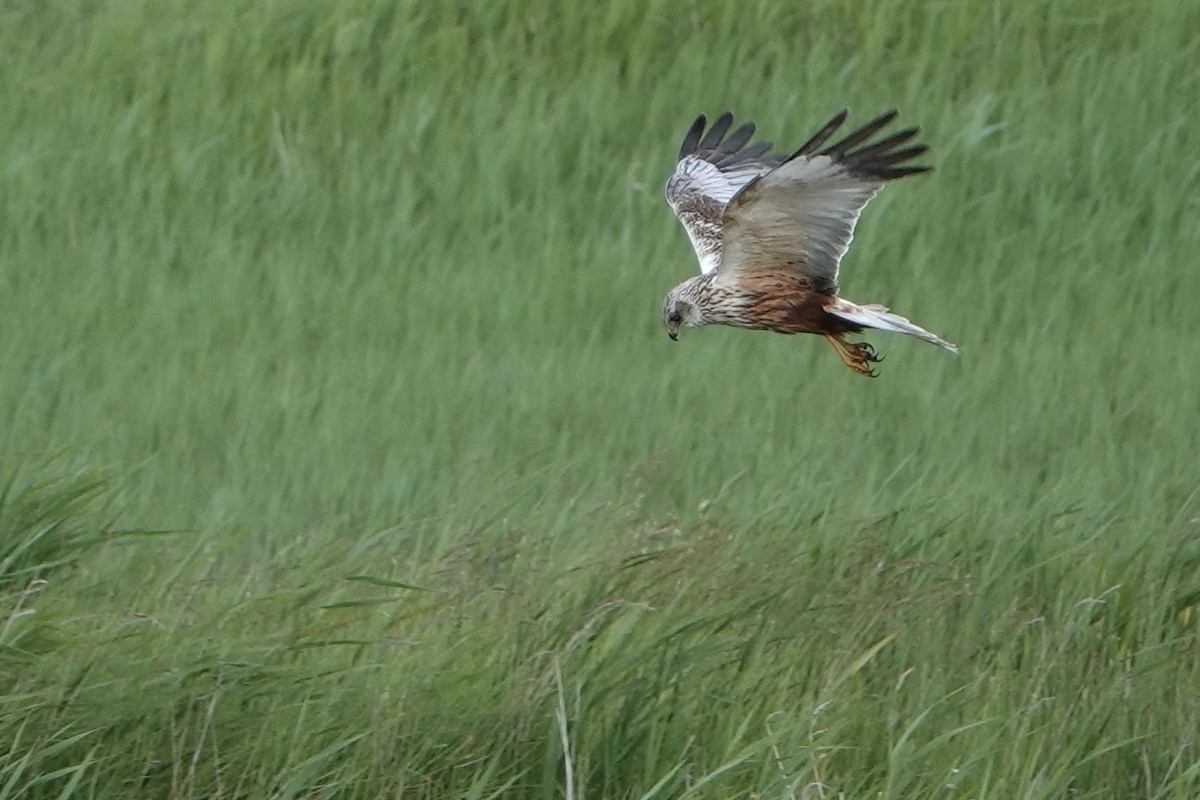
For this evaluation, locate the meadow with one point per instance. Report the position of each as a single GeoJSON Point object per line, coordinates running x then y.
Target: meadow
{"type": "Point", "coordinates": [343, 454]}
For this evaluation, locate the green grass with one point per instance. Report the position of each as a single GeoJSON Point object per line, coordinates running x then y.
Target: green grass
{"type": "Point", "coordinates": [342, 453]}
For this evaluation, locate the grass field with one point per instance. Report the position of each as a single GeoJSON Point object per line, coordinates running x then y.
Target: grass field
{"type": "Point", "coordinates": [343, 455]}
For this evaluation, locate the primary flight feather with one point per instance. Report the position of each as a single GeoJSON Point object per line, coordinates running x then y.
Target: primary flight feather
{"type": "Point", "coordinates": [770, 231]}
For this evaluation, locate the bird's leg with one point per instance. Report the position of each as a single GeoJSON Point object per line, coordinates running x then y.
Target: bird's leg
{"type": "Point", "coordinates": [857, 356]}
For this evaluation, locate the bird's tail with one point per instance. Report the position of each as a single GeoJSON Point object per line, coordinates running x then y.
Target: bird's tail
{"type": "Point", "coordinates": [878, 317]}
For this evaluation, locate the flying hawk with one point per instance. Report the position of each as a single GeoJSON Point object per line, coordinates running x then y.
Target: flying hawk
{"type": "Point", "coordinates": [770, 230]}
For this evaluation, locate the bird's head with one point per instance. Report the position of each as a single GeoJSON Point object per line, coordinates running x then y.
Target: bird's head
{"type": "Point", "coordinates": [680, 310]}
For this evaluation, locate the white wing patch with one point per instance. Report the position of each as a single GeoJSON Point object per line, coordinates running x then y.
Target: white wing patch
{"type": "Point", "coordinates": [698, 192]}
{"type": "Point", "coordinates": [694, 175]}
{"type": "Point", "coordinates": [710, 172]}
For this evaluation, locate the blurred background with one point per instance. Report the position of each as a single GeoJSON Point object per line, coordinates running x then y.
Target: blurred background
{"type": "Point", "coordinates": [345, 454]}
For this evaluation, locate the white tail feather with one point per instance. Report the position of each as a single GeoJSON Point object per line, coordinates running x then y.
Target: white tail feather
{"type": "Point", "coordinates": [879, 318]}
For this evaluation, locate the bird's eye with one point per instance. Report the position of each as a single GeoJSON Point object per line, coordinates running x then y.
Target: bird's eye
{"type": "Point", "coordinates": [675, 317]}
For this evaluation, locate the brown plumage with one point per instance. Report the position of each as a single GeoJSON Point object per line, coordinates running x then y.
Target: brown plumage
{"type": "Point", "coordinates": [770, 231]}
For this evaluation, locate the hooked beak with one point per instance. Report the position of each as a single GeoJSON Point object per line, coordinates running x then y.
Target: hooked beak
{"type": "Point", "coordinates": [673, 333]}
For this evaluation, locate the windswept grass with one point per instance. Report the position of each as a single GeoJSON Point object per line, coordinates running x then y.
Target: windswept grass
{"type": "Point", "coordinates": [360, 303]}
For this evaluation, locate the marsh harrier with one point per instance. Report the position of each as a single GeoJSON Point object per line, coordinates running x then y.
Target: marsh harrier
{"type": "Point", "coordinates": [770, 230]}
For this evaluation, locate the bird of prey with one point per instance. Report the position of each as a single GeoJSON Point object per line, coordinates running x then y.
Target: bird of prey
{"type": "Point", "coordinates": [770, 230]}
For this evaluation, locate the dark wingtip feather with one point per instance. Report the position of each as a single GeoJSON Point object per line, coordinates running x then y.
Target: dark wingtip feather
{"type": "Point", "coordinates": [716, 132]}
{"type": "Point", "coordinates": [692, 140]}
{"type": "Point", "coordinates": [861, 135]}
{"type": "Point", "coordinates": [896, 156]}
{"type": "Point", "coordinates": [893, 173]}
{"type": "Point", "coordinates": [880, 159]}
{"type": "Point", "coordinates": [757, 150]}
{"type": "Point", "coordinates": [736, 141]}
{"type": "Point", "coordinates": [713, 146]}
{"type": "Point", "coordinates": [820, 137]}
{"type": "Point", "coordinates": [887, 144]}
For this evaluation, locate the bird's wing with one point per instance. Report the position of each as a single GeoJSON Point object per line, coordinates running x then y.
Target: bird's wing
{"type": "Point", "coordinates": [801, 215]}
{"type": "Point", "coordinates": [711, 170]}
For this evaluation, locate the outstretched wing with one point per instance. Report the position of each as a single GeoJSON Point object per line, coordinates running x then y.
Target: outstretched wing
{"type": "Point", "coordinates": [801, 215]}
{"type": "Point", "coordinates": [710, 172]}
